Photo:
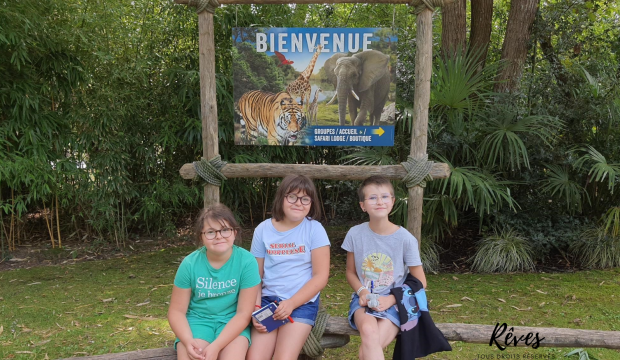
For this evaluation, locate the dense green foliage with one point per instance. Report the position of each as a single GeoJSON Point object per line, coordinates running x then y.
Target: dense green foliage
{"type": "Point", "coordinates": [99, 108]}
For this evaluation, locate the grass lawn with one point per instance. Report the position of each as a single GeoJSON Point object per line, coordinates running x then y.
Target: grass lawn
{"type": "Point", "coordinates": [119, 305]}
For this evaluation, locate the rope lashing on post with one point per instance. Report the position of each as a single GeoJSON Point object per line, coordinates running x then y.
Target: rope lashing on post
{"type": "Point", "coordinates": [202, 5]}
{"type": "Point", "coordinates": [420, 5]}
{"type": "Point", "coordinates": [418, 171]}
{"type": "Point", "coordinates": [210, 170]}
{"type": "Point", "coordinates": [312, 346]}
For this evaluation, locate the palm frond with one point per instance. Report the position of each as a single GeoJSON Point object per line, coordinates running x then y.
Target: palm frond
{"type": "Point", "coordinates": [369, 156]}
{"type": "Point", "coordinates": [599, 169]}
{"type": "Point", "coordinates": [460, 88]}
{"type": "Point", "coordinates": [470, 187]}
{"type": "Point", "coordinates": [558, 182]}
{"type": "Point", "coordinates": [459, 83]}
{"type": "Point", "coordinates": [503, 145]}
{"type": "Point", "coordinates": [593, 84]}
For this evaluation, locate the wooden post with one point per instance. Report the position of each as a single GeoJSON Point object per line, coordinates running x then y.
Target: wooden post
{"type": "Point", "coordinates": [421, 100]}
{"type": "Point", "coordinates": [208, 100]}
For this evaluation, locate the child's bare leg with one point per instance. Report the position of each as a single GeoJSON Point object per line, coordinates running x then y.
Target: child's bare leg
{"type": "Point", "coordinates": [182, 351]}
{"type": "Point", "coordinates": [235, 350]}
{"type": "Point", "coordinates": [291, 338]}
{"type": "Point", "coordinates": [387, 332]}
{"type": "Point", "coordinates": [263, 345]}
{"type": "Point", "coordinates": [368, 326]}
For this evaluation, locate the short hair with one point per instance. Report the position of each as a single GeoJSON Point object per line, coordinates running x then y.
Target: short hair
{"type": "Point", "coordinates": [216, 212]}
{"type": "Point", "coordinates": [294, 183]}
{"type": "Point", "coordinates": [377, 180]}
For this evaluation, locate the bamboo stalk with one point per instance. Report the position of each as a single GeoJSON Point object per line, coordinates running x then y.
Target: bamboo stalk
{"type": "Point", "coordinates": [49, 229]}
{"type": "Point", "coordinates": [3, 230]}
{"type": "Point", "coordinates": [124, 225]}
{"type": "Point", "coordinates": [58, 224]}
{"type": "Point", "coordinates": [11, 235]}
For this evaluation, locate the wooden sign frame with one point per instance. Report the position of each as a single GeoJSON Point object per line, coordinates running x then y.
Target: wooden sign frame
{"type": "Point", "coordinates": [208, 107]}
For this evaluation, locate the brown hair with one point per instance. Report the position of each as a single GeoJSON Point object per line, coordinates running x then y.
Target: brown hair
{"type": "Point", "coordinates": [377, 180]}
{"type": "Point", "coordinates": [294, 183]}
{"type": "Point", "coordinates": [216, 212]}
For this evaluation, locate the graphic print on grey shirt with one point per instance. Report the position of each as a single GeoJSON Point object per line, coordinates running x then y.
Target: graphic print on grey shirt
{"type": "Point", "coordinates": [382, 259]}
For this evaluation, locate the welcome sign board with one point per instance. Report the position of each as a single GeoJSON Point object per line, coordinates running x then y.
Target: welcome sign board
{"type": "Point", "coordinates": [314, 86]}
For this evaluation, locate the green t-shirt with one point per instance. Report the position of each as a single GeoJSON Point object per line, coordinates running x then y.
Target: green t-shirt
{"type": "Point", "coordinates": [215, 292]}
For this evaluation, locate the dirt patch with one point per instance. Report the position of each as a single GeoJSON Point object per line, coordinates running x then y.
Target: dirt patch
{"type": "Point", "coordinates": [37, 250]}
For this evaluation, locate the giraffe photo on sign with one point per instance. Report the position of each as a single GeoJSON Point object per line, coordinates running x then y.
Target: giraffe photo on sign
{"type": "Point", "coordinates": [314, 86]}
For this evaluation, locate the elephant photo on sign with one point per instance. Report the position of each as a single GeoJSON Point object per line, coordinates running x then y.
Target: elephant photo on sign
{"type": "Point", "coordinates": [363, 82]}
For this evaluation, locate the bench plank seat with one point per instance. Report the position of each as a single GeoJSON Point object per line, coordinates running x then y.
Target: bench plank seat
{"type": "Point", "coordinates": [337, 332]}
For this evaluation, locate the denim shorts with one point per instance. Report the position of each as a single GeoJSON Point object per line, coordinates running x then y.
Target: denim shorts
{"type": "Point", "coordinates": [391, 313]}
{"type": "Point", "coordinates": [305, 314]}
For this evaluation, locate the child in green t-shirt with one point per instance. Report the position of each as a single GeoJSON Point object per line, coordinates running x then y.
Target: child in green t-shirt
{"type": "Point", "coordinates": [214, 292]}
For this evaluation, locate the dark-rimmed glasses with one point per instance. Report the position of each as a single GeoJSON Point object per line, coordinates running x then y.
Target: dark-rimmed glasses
{"type": "Point", "coordinates": [292, 198]}
{"type": "Point", "coordinates": [211, 234]}
{"type": "Point", "coordinates": [372, 199]}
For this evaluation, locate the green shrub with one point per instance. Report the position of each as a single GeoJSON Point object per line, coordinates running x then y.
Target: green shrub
{"type": "Point", "coordinates": [611, 221]}
{"type": "Point", "coordinates": [597, 249]}
{"type": "Point", "coordinates": [503, 251]}
{"type": "Point", "coordinates": [545, 227]}
{"type": "Point", "coordinates": [429, 254]}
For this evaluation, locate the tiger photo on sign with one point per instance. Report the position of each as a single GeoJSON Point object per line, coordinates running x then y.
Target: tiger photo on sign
{"type": "Point", "coordinates": [277, 117]}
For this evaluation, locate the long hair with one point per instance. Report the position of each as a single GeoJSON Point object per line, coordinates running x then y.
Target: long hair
{"type": "Point", "coordinates": [294, 183]}
{"type": "Point", "coordinates": [219, 213]}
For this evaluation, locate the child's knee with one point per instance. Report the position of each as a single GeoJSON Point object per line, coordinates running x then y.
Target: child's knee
{"type": "Point", "coordinates": [369, 331]}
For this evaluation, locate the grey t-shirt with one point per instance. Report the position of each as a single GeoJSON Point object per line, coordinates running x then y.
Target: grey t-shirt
{"type": "Point", "coordinates": [382, 259]}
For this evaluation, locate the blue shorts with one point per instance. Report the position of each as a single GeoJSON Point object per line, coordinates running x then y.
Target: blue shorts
{"type": "Point", "coordinates": [390, 314]}
{"type": "Point", "coordinates": [305, 314]}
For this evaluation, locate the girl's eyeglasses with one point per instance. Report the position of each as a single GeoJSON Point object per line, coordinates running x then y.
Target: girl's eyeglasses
{"type": "Point", "coordinates": [292, 198]}
{"type": "Point", "coordinates": [211, 234]}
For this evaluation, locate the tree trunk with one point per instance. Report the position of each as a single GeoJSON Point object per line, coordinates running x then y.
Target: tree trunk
{"type": "Point", "coordinates": [514, 51]}
{"type": "Point", "coordinates": [481, 20]}
{"type": "Point", "coordinates": [453, 27]}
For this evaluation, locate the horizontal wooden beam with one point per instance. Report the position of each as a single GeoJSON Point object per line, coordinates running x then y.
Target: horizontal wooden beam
{"type": "Point", "coordinates": [336, 172]}
{"type": "Point", "coordinates": [481, 334]}
{"type": "Point", "coordinates": [327, 342]}
{"type": "Point", "coordinates": [261, 2]}
{"type": "Point", "coordinates": [337, 332]}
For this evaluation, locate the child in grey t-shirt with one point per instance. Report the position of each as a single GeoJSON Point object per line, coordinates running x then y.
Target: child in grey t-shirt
{"type": "Point", "coordinates": [380, 254]}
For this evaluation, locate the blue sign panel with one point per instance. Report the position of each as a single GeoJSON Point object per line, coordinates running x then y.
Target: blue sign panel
{"type": "Point", "coordinates": [314, 86]}
{"type": "Point", "coordinates": [349, 136]}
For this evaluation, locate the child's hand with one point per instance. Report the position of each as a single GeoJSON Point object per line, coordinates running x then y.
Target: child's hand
{"type": "Point", "coordinates": [211, 352]}
{"type": "Point", "coordinates": [193, 350]}
{"type": "Point", "coordinates": [258, 326]}
{"type": "Point", "coordinates": [363, 301]}
{"type": "Point", "coordinates": [284, 310]}
{"type": "Point", "coordinates": [385, 302]}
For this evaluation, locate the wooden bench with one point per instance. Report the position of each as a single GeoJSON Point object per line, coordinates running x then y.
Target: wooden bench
{"type": "Point", "coordinates": [337, 334]}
